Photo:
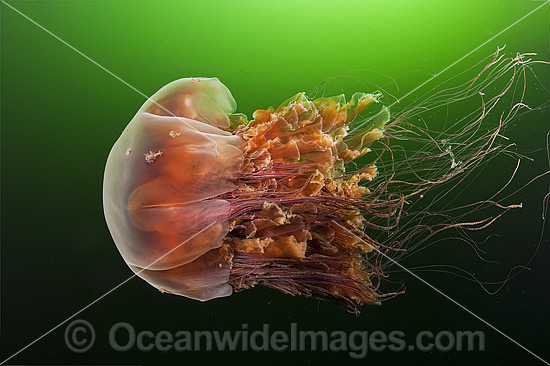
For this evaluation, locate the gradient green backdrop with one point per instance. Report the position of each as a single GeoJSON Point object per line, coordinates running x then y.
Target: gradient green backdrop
{"type": "Point", "coordinates": [61, 113]}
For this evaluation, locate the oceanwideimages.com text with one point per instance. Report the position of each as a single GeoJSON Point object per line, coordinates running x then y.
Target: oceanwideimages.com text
{"type": "Point", "coordinates": [123, 337]}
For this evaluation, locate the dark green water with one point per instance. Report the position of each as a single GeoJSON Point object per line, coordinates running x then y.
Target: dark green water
{"type": "Point", "coordinates": [61, 113]}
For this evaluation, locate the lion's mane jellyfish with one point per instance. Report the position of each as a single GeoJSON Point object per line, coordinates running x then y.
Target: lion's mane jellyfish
{"type": "Point", "coordinates": [201, 202]}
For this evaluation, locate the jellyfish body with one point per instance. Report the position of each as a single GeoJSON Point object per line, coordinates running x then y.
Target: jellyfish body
{"type": "Point", "coordinates": [201, 202]}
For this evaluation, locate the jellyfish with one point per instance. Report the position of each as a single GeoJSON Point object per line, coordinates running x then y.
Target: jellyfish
{"type": "Point", "coordinates": [202, 202]}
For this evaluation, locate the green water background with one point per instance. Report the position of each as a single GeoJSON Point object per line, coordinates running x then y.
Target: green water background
{"type": "Point", "coordinates": [61, 113]}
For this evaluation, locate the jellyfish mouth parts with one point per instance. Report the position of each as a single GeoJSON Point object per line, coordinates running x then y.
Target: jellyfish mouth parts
{"type": "Point", "coordinates": [201, 202]}
{"type": "Point", "coordinates": [298, 216]}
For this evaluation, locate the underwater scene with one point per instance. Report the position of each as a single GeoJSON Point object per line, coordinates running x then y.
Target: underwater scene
{"type": "Point", "coordinates": [302, 182]}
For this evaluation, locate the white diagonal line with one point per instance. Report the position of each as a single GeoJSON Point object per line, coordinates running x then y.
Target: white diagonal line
{"type": "Point", "coordinates": [103, 68]}
{"type": "Point", "coordinates": [448, 297]}
{"type": "Point", "coordinates": [463, 57]}
{"type": "Point", "coordinates": [105, 294]}
{"type": "Point", "coordinates": [475, 49]}
{"type": "Point", "coordinates": [145, 96]}
{"type": "Point", "coordinates": [77, 51]}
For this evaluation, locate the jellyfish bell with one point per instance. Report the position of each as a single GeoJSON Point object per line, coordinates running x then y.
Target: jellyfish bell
{"type": "Point", "coordinates": [161, 178]}
{"type": "Point", "coordinates": [200, 201]}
